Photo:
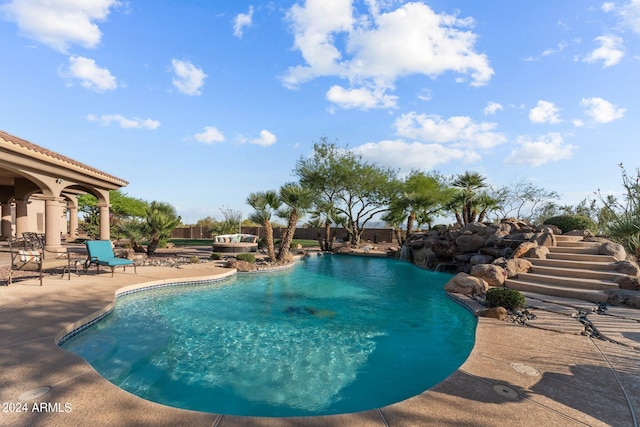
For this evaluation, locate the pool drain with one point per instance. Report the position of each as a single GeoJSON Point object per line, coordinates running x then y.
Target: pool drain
{"type": "Point", "coordinates": [34, 394]}
{"type": "Point", "coordinates": [524, 369]}
{"type": "Point", "coordinates": [505, 391]}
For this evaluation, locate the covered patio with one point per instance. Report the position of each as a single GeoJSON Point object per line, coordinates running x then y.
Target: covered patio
{"type": "Point", "coordinates": [31, 175]}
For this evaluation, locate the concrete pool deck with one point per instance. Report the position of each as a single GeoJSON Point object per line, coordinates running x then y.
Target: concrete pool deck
{"type": "Point", "coordinates": [543, 374]}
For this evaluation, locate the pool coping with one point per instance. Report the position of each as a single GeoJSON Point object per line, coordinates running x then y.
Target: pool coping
{"type": "Point", "coordinates": [473, 395]}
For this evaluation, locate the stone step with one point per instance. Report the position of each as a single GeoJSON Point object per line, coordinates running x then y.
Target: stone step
{"type": "Point", "coordinates": [576, 272]}
{"type": "Point", "coordinates": [556, 290]}
{"type": "Point", "coordinates": [586, 249]}
{"type": "Point", "coordinates": [565, 238]}
{"type": "Point", "coordinates": [569, 282]}
{"type": "Point", "coordinates": [578, 244]}
{"type": "Point", "coordinates": [581, 265]}
{"type": "Point", "coordinates": [581, 257]}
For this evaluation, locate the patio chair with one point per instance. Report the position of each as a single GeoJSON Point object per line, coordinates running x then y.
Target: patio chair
{"type": "Point", "coordinates": [101, 253]}
{"type": "Point", "coordinates": [25, 258]}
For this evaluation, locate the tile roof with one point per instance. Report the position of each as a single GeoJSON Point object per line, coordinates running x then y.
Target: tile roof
{"type": "Point", "coordinates": [52, 154]}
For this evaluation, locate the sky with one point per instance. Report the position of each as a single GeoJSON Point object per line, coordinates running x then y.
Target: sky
{"type": "Point", "coordinates": [199, 103]}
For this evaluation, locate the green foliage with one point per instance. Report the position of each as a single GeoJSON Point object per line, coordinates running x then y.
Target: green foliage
{"type": "Point", "coordinates": [621, 220]}
{"type": "Point", "coordinates": [216, 256]}
{"type": "Point", "coordinates": [194, 259]}
{"type": "Point", "coordinates": [246, 257]}
{"type": "Point", "coordinates": [343, 181]}
{"type": "Point", "coordinates": [568, 223]}
{"type": "Point", "coordinates": [123, 208]}
{"type": "Point", "coordinates": [510, 299]}
{"type": "Point", "coordinates": [161, 219]}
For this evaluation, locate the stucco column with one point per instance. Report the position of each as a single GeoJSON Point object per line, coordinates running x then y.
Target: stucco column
{"type": "Point", "coordinates": [73, 222]}
{"type": "Point", "coordinates": [52, 214]}
{"type": "Point", "coordinates": [5, 221]}
{"type": "Point", "coordinates": [105, 222]}
{"type": "Point", "coordinates": [22, 220]}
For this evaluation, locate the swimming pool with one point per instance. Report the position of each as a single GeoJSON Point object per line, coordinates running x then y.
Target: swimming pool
{"type": "Point", "coordinates": [335, 334]}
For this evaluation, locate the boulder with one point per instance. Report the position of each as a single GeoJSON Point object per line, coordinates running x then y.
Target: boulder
{"type": "Point", "coordinates": [624, 297]}
{"type": "Point", "coordinates": [475, 228]}
{"type": "Point", "coordinates": [613, 249]}
{"type": "Point", "coordinates": [547, 228]}
{"type": "Point", "coordinates": [514, 266]}
{"type": "Point", "coordinates": [523, 249]}
{"type": "Point", "coordinates": [462, 283]}
{"type": "Point", "coordinates": [499, 313]}
{"type": "Point", "coordinates": [493, 274]}
{"type": "Point", "coordinates": [539, 252]}
{"type": "Point", "coordinates": [628, 282]}
{"type": "Point", "coordinates": [629, 268]}
{"type": "Point", "coordinates": [494, 252]}
{"type": "Point", "coordinates": [424, 257]}
{"type": "Point", "coordinates": [546, 239]}
{"type": "Point", "coordinates": [481, 259]}
{"type": "Point", "coordinates": [241, 265]}
{"type": "Point", "coordinates": [467, 243]}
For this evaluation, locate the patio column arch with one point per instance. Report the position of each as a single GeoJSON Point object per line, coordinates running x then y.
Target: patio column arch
{"type": "Point", "coordinates": [30, 171]}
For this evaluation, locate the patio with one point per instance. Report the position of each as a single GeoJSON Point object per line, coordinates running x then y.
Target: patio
{"type": "Point", "coordinates": [548, 375]}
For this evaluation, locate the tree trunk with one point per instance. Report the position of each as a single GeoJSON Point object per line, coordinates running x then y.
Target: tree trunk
{"type": "Point", "coordinates": [268, 236]}
{"type": "Point", "coordinates": [153, 245]}
{"type": "Point", "coordinates": [410, 219]}
{"type": "Point", "coordinates": [328, 240]}
{"type": "Point", "coordinates": [286, 240]}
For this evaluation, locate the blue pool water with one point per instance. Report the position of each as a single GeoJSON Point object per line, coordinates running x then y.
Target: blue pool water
{"type": "Point", "coordinates": [335, 334]}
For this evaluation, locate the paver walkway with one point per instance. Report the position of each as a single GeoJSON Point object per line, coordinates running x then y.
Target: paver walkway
{"type": "Point", "coordinates": [546, 373]}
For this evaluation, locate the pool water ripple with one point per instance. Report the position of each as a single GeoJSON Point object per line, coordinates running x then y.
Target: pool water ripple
{"type": "Point", "coordinates": [333, 335]}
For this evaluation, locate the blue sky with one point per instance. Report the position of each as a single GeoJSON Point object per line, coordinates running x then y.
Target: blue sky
{"type": "Point", "coordinates": [198, 103]}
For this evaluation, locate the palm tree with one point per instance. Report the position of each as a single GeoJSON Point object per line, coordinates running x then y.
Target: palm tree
{"type": "Point", "coordinates": [298, 200]}
{"type": "Point", "coordinates": [325, 215]}
{"type": "Point", "coordinates": [264, 204]}
{"type": "Point", "coordinates": [469, 183]}
{"type": "Point", "coordinates": [161, 220]}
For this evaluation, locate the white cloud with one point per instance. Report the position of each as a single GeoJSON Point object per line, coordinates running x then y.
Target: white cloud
{"type": "Point", "coordinates": [459, 131]}
{"type": "Point", "coordinates": [360, 98]}
{"type": "Point", "coordinates": [266, 139]}
{"type": "Point", "coordinates": [135, 123]}
{"type": "Point", "coordinates": [610, 51]}
{"type": "Point", "coordinates": [545, 149]}
{"type": "Point", "coordinates": [552, 51]}
{"type": "Point", "coordinates": [59, 24]}
{"type": "Point", "coordinates": [601, 111]}
{"type": "Point", "coordinates": [188, 78]}
{"type": "Point", "coordinates": [90, 75]}
{"type": "Point", "coordinates": [631, 15]}
{"type": "Point", "coordinates": [544, 112]}
{"type": "Point", "coordinates": [492, 108]}
{"type": "Point", "coordinates": [415, 155]}
{"type": "Point", "coordinates": [241, 21]}
{"type": "Point", "coordinates": [381, 47]}
{"type": "Point", "coordinates": [210, 135]}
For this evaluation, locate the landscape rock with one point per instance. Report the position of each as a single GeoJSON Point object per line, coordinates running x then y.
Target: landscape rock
{"type": "Point", "coordinates": [624, 297]}
{"type": "Point", "coordinates": [241, 265]}
{"type": "Point", "coordinates": [481, 259]}
{"type": "Point", "coordinates": [627, 267]}
{"type": "Point", "coordinates": [628, 282]}
{"type": "Point", "coordinates": [470, 243]}
{"type": "Point", "coordinates": [493, 274]}
{"type": "Point", "coordinates": [424, 257]}
{"type": "Point", "coordinates": [499, 313]}
{"type": "Point", "coordinates": [539, 252]}
{"type": "Point", "coordinates": [465, 284]}
{"type": "Point", "coordinates": [546, 239]}
{"type": "Point", "coordinates": [523, 249]}
{"type": "Point", "coordinates": [514, 266]}
{"type": "Point", "coordinates": [613, 249]}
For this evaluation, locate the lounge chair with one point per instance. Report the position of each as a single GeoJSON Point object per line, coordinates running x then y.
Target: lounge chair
{"type": "Point", "coordinates": [101, 253]}
{"type": "Point", "coordinates": [24, 257]}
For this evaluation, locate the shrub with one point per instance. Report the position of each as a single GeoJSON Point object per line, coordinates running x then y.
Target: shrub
{"type": "Point", "coordinates": [215, 256]}
{"type": "Point", "coordinates": [194, 259]}
{"type": "Point", "coordinates": [246, 257]}
{"type": "Point", "coordinates": [568, 223]}
{"type": "Point", "coordinates": [505, 297]}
